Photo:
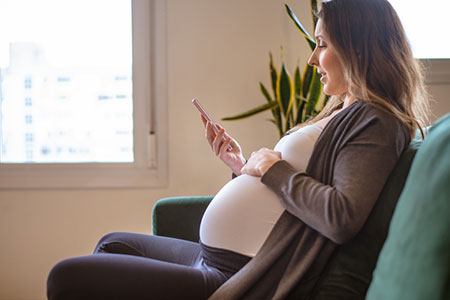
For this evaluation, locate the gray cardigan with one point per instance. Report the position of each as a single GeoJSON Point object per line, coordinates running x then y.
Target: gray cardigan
{"type": "Point", "coordinates": [325, 206]}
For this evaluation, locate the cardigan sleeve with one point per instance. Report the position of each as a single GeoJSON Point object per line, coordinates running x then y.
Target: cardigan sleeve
{"type": "Point", "coordinates": [361, 166]}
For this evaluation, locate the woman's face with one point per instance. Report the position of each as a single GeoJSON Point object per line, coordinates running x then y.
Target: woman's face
{"type": "Point", "coordinates": [328, 65]}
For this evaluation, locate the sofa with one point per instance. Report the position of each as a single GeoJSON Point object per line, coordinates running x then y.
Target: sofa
{"type": "Point", "coordinates": [404, 245]}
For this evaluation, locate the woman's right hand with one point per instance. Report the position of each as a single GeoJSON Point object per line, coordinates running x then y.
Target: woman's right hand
{"type": "Point", "coordinates": [224, 147]}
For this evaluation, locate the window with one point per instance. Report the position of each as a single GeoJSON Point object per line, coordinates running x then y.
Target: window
{"type": "Point", "coordinates": [85, 124]}
{"type": "Point", "coordinates": [425, 23]}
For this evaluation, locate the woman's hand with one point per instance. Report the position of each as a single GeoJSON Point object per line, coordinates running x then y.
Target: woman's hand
{"type": "Point", "coordinates": [224, 147]}
{"type": "Point", "coordinates": [260, 161]}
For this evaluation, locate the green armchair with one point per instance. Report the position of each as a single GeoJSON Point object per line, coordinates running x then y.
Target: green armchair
{"type": "Point", "coordinates": [413, 264]}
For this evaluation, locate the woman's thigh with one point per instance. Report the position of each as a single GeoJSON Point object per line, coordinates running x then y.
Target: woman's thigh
{"type": "Point", "coordinates": [149, 246]}
{"type": "Point", "coordinates": [113, 276]}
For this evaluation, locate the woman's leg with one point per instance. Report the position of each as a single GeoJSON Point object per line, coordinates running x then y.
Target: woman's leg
{"type": "Point", "coordinates": [150, 246]}
{"type": "Point", "coordinates": [135, 266]}
{"type": "Point", "coordinates": [116, 276]}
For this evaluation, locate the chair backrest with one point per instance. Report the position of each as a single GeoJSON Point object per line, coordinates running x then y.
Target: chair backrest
{"type": "Point", "coordinates": [179, 217]}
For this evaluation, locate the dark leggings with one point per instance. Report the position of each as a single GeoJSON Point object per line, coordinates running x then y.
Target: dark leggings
{"type": "Point", "coordinates": [137, 266]}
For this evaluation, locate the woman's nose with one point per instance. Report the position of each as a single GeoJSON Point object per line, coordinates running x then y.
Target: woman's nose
{"type": "Point", "coordinates": [312, 61]}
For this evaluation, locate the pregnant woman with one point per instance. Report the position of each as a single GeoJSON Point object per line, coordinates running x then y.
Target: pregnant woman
{"type": "Point", "coordinates": [269, 232]}
{"type": "Point", "coordinates": [245, 209]}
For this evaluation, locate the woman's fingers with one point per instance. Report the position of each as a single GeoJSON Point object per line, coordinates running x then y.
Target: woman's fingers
{"type": "Point", "coordinates": [209, 133]}
{"type": "Point", "coordinates": [204, 121]}
{"type": "Point", "coordinates": [260, 161]}
{"type": "Point", "coordinates": [216, 137]}
{"type": "Point", "coordinates": [218, 141]}
{"type": "Point", "coordinates": [225, 146]}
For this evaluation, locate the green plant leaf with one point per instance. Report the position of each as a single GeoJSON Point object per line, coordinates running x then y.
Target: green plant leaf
{"type": "Point", "coordinates": [288, 122]}
{"type": "Point", "coordinates": [309, 39]}
{"type": "Point", "coordinates": [273, 79]}
{"type": "Point", "coordinates": [307, 76]}
{"type": "Point", "coordinates": [285, 91]}
{"type": "Point", "coordinates": [252, 112]}
{"type": "Point", "coordinates": [265, 92]}
{"type": "Point", "coordinates": [273, 75]}
{"type": "Point", "coordinates": [275, 111]}
{"type": "Point", "coordinates": [277, 115]}
{"type": "Point", "coordinates": [294, 100]}
{"type": "Point", "coordinates": [314, 95]}
{"type": "Point", "coordinates": [297, 86]}
{"type": "Point", "coordinates": [300, 115]}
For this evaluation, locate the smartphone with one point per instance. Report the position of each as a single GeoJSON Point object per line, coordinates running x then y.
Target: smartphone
{"type": "Point", "coordinates": [205, 114]}
{"type": "Point", "coordinates": [207, 117]}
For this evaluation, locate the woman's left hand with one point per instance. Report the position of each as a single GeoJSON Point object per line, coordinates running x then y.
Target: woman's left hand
{"type": "Point", "coordinates": [260, 161]}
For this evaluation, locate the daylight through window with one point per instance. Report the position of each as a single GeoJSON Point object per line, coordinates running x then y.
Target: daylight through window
{"type": "Point", "coordinates": [66, 81]}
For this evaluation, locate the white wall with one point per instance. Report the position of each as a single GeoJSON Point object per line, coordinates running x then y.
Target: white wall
{"type": "Point", "coordinates": [217, 52]}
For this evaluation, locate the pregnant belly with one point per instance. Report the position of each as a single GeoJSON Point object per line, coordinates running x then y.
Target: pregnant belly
{"type": "Point", "coordinates": [241, 216]}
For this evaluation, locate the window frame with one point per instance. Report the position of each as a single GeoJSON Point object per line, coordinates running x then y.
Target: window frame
{"type": "Point", "coordinates": [150, 165]}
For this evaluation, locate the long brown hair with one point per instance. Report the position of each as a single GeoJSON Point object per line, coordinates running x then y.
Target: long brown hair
{"type": "Point", "coordinates": [378, 63]}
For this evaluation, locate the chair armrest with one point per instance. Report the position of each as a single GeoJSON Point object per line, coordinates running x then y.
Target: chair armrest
{"type": "Point", "coordinates": [179, 217]}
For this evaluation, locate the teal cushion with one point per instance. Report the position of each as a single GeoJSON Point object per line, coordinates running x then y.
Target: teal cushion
{"type": "Point", "coordinates": [415, 260]}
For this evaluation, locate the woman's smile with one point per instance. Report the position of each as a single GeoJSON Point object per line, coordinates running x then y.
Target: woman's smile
{"type": "Point", "coordinates": [325, 58]}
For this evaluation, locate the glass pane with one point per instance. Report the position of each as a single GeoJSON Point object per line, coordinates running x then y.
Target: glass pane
{"type": "Point", "coordinates": [425, 23]}
{"type": "Point", "coordinates": [66, 81]}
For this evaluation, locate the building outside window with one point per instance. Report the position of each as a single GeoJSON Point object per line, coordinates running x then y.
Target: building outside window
{"type": "Point", "coordinates": [28, 81]}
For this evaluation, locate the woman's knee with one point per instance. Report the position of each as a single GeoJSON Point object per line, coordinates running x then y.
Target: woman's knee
{"type": "Point", "coordinates": [117, 242]}
{"type": "Point", "coordinates": [62, 279]}
{"type": "Point", "coordinates": [107, 238]}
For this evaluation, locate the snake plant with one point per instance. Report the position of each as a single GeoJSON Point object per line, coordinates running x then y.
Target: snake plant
{"type": "Point", "coordinates": [293, 99]}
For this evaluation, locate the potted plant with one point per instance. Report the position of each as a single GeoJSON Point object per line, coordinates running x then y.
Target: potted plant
{"type": "Point", "coordinates": [293, 100]}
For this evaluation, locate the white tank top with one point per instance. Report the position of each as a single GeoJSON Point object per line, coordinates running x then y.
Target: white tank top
{"type": "Point", "coordinates": [244, 211]}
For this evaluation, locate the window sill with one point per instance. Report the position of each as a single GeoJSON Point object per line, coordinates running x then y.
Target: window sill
{"type": "Point", "coordinates": [84, 176]}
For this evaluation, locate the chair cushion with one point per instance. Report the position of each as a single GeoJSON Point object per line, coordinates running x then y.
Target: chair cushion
{"type": "Point", "coordinates": [415, 260]}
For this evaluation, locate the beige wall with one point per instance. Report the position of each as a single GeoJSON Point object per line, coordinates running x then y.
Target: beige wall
{"type": "Point", "coordinates": [218, 52]}
{"type": "Point", "coordinates": [440, 103]}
